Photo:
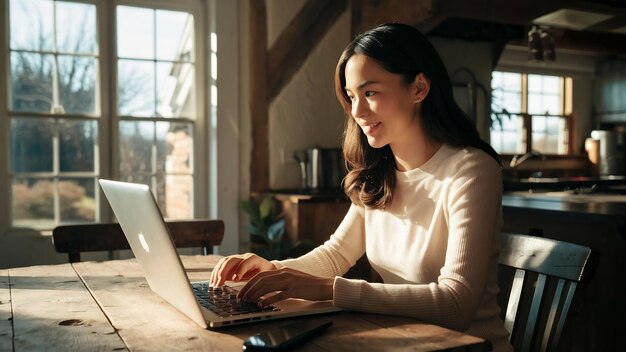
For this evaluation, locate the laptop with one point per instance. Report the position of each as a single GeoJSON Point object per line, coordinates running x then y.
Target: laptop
{"type": "Point", "coordinates": [149, 238]}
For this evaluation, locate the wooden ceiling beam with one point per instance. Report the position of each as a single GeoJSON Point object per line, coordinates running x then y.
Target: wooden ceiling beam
{"type": "Point", "coordinates": [610, 43]}
{"type": "Point", "coordinates": [367, 14]}
{"type": "Point", "coordinates": [298, 40]}
{"type": "Point", "coordinates": [517, 12]}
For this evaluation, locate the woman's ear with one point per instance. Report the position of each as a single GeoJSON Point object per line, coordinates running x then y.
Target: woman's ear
{"type": "Point", "coordinates": [421, 87]}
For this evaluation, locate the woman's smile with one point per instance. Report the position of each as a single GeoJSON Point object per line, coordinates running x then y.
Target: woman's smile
{"type": "Point", "coordinates": [370, 128]}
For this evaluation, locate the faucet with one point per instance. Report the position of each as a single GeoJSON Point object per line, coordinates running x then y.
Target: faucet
{"type": "Point", "coordinates": [517, 160]}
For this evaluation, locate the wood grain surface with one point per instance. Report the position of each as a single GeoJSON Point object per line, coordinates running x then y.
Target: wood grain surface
{"type": "Point", "coordinates": [109, 306]}
{"type": "Point", "coordinates": [6, 324]}
{"type": "Point", "coordinates": [53, 311]}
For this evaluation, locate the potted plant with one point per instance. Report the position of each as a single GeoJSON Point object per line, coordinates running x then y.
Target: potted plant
{"type": "Point", "coordinates": [267, 228]}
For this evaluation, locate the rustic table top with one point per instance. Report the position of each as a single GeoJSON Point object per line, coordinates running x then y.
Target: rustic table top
{"type": "Point", "coordinates": [109, 306]}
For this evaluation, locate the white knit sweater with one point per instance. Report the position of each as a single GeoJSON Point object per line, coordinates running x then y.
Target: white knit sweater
{"type": "Point", "coordinates": [435, 247]}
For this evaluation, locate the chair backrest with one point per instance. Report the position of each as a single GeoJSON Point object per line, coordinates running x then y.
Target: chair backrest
{"type": "Point", "coordinates": [546, 274]}
{"type": "Point", "coordinates": [73, 239]}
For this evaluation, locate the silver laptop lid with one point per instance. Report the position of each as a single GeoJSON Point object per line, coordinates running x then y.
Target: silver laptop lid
{"type": "Point", "coordinates": [148, 236]}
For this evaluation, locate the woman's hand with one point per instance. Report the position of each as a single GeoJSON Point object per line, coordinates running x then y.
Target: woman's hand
{"type": "Point", "coordinates": [238, 267]}
{"type": "Point", "coordinates": [286, 283]}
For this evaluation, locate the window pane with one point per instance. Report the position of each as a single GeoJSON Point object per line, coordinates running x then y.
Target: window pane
{"type": "Point", "coordinates": [496, 80]}
{"type": "Point", "coordinates": [136, 88]}
{"type": "Point", "coordinates": [512, 81]}
{"type": "Point", "coordinates": [551, 104]}
{"type": "Point", "coordinates": [510, 122]}
{"type": "Point", "coordinates": [539, 141]}
{"type": "Point", "coordinates": [174, 33]}
{"type": "Point", "coordinates": [496, 140]}
{"type": "Point", "coordinates": [174, 196]}
{"type": "Point", "coordinates": [512, 102]}
{"type": "Point", "coordinates": [552, 144]}
{"type": "Point", "coordinates": [142, 179]}
{"type": "Point", "coordinates": [31, 24]}
{"type": "Point", "coordinates": [32, 202]}
{"type": "Point", "coordinates": [175, 89]}
{"type": "Point", "coordinates": [77, 200]}
{"type": "Point", "coordinates": [551, 84]}
{"type": "Point", "coordinates": [510, 142]}
{"type": "Point", "coordinates": [539, 123]}
{"type": "Point", "coordinates": [31, 82]}
{"type": "Point", "coordinates": [553, 125]}
{"type": "Point", "coordinates": [77, 145]}
{"type": "Point", "coordinates": [174, 147]}
{"type": "Point", "coordinates": [534, 84]}
{"type": "Point", "coordinates": [497, 95]}
{"type": "Point", "coordinates": [31, 145]}
{"type": "Point", "coordinates": [535, 104]}
{"type": "Point", "coordinates": [136, 140]}
{"type": "Point", "coordinates": [214, 66]}
{"type": "Point", "coordinates": [135, 32]}
{"type": "Point", "coordinates": [76, 28]}
{"type": "Point", "coordinates": [77, 84]}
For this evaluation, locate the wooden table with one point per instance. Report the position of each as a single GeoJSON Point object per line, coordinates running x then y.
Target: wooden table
{"type": "Point", "coordinates": [108, 306]}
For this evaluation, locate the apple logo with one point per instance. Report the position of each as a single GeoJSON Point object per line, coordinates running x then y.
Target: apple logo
{"type": "Point", "coordinates": [144, 244]}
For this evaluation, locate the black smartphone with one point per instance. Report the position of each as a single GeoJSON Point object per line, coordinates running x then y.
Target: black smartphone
{"type": "Point", "coordinates": [285, 337]}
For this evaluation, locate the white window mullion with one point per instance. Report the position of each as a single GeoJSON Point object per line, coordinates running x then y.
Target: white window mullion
{"type": "Point", "coordinates": [225, 18]}
{"type": "Point", "coordinates": [56, 171]}
{"type": "Point", "coordinates": [5, 184]}
{"type": "Point", "coordinates": [55, 108]}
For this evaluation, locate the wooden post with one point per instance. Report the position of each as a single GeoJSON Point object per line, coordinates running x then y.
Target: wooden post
{"type": "Point", "coordinates": [259, 106]}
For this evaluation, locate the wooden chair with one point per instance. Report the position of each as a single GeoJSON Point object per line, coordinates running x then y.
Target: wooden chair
{"type": "Point", "coordinates": [73, 239]}
{"type": "Point", "coordinates": [546, 273]}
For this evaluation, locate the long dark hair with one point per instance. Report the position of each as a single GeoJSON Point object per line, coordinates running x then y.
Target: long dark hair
{"type": "Point", "coordinates": [403, 50]}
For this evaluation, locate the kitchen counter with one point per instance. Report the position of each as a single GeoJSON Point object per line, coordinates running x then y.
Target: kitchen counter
{"type": "Point", "coordinates": [597, 207]}
{"type": "Point", "coordinates": [596, 220]}
{"type": "Point", "coordinates": [563, 183]}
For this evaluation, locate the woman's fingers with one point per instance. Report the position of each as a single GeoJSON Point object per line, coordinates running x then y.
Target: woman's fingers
{"type": "Point", "coordinates": [238, 267]}
{"type": "Point", "coordinates": [250, 266]}
{"type": "Point", "coordinates": [253, 281]}
{"type": "Point", "coordinates": [266, 282]}
{"type": "Point", "coordinates": [225, 270]}
{"type": "Point", "coordinates": [216, 271]}
{"type": "Point", "coordinates": [271, 286]}
{"type": "Point", "coordinates": [278, 296]}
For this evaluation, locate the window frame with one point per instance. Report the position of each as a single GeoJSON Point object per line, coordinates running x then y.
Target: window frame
{"type": "Point", "coordinates": [566, 105]}
{"type": "Point", "coordinates": [108, 156]}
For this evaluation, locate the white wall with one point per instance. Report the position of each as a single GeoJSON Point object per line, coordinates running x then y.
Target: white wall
{"type": "Point", "coordinates": [476, 57]}
{"type": "Point", "coordinates": [306, 113]}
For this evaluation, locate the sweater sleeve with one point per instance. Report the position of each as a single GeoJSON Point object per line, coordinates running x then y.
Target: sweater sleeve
{"type": "Point", "coordinates": [338, 254]}
{"type": "Point", "coordinates": [473, 213]}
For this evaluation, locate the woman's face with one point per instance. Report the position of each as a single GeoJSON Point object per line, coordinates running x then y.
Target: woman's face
{"type": "Point", "coordinates": [381, 103]}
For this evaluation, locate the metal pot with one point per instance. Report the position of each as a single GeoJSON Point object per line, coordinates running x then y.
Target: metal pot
{"type": "Point", "coordinates": [324, 168]}
{"type": "Point", "coordinates": [612, 152]}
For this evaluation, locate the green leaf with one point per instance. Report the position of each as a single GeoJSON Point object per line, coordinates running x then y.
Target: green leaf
{"type": "Point", "coordinates": [250, 208]}
{"type": "Point", "coordinates": [265, 208]}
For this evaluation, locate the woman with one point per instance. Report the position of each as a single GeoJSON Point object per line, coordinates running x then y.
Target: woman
{"type": "Point", "coordinates": [426, 194]}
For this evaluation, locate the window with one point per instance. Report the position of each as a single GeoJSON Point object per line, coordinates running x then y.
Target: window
{"type": "Point", "coordinates": [71, 122]}
{"type": "Point", "coordinates": [155, 84]}
{"type": "Point", "coordinates": [530, 112]}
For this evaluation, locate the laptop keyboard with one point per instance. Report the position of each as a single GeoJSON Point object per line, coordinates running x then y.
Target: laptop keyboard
{"type": "Point", "coordinates": [223, 300]}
